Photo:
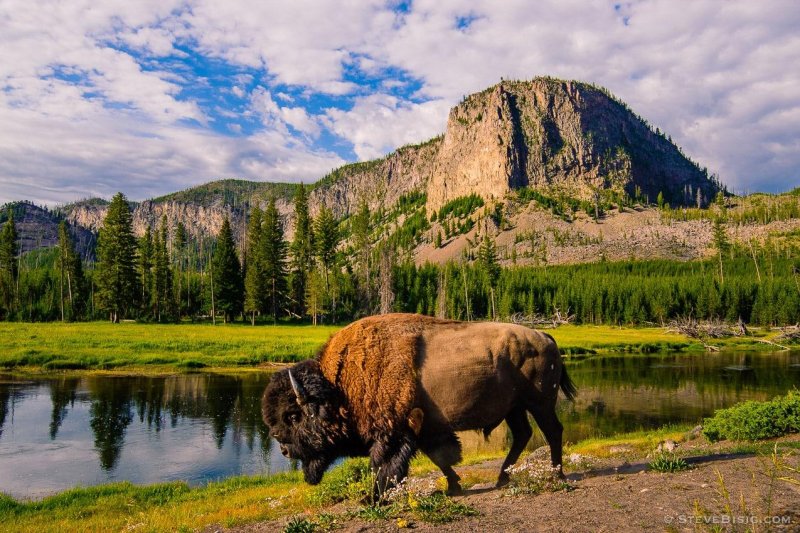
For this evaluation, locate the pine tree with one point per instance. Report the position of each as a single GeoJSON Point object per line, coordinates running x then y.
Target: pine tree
{"type": "Point", "coordinates": [117, 285]}
{"type": "Point", "coordinates": [274, 255]}
{"type": "Point", "coordinates": [363, 252]}
{"type": "Point", "coordinates": [9, 265]}
{"type": "Point", "coordinates": [162, 275]}
{"type": "Point", "coordinates": [71, 280]}
{"type": "Point", "coordinates": [326, 239]}
{"type": "Point", "coordinates": [487, 257]}
{"type": "Point", "coordinates": [228, 290]}
{"type": "Point", "coordinates": [721, 243]}
{"type": "Point", "coordinates": [179, 243]}
{"type": "Point", "coordinates": [145, 266]}
{"type": "Point", "coordinates": [302, 249]}
{"type": "Point", "coordinates": [254, 282]}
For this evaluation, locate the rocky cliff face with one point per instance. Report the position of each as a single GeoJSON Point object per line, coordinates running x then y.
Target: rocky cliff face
{"type": "Point", "coordinates": [38, 228]}
{"type": "Point", "coordinates": [200, 212]}
{"type": "Point", "coordinates": [562, 137]}
{"type": "Point", "coordinates": [557, 135]}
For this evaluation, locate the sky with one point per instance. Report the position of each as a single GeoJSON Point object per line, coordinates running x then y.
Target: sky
{"type": "Point", "coordinates": [153, 96]}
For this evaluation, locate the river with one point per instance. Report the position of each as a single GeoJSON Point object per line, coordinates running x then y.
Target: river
{"type": "Point", "coordinates": [60, 432]}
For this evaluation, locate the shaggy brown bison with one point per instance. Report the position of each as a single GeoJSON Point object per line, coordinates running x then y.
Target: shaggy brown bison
{"type": "Point", "coordinates": [389, 385]}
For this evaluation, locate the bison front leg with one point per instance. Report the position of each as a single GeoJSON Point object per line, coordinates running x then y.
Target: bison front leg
{"type": "Point", "coordinates": [442, 446]}
{"type": "Point", "coordinates": [389, 460]}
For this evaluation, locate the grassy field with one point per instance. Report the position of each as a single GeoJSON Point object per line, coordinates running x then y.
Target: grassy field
{"type": "Point", "coordinates": [169, 347]}
{"type": "Point", "coordinates": [102, 345]}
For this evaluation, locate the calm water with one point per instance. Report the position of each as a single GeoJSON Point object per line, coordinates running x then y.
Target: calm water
{"type": "Point", "coordinates": [57, 433]}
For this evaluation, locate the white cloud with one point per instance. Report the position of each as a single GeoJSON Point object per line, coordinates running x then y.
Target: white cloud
{"type": "Point", "coordinates": [379, 123]}
{"type": "Point", "coordinates": [719, 77]}
{"type": "Point", "coordinates": [119, 152]}
{"type": "Point", "coordinates": [277, 117]}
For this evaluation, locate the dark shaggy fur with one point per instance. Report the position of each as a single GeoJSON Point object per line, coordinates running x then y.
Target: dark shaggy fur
{"type": "Point", "coordinates": [317, 432]}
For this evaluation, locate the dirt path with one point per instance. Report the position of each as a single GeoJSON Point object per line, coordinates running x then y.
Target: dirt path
{"type": "Point", "coordinates": [621, 496]}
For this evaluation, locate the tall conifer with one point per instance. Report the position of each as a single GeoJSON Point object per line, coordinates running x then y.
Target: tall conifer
{"type": "Point", "coordinates": [116, 253]}
{"type": "Point", "coordinates": [302, 249]}
{"type": "Point", "coordinates": [71, 278]}
{"type": "Point", "coordinates": [9, 265]}
{"type": "Point", "coordinates": [227, 274]}
{"type": "Point", "coordinates": [274, 255]}
{"type": "Point", "coordinates": [254, 293]}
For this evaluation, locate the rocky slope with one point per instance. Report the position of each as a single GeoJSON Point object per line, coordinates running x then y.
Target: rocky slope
{"type": "Point", "coordinates": [37, 227]}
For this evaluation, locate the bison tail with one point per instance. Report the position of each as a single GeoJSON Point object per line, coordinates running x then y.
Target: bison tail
{"type": "Point", "coordinates": [567, 386]}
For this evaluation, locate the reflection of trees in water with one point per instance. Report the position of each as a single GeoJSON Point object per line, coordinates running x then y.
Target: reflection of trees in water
{"type": "Point", "coordinates": [110, 416]}
{"type": "Point", "coordinates": [231, 404]}
{"type": "Point", "coordinates": [10, 393]}
{"type": "Point", "coordinates": [5, 399]}
{"type": "Point", "coordinates": [626, 393]}
{"type": "Point", "coordinates": [705, 372]}
{"type": "Point", "coordinates": [62, 395]}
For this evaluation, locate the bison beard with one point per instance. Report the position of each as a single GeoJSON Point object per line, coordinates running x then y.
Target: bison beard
{"type": "Point", "coordinates": [387, 386]}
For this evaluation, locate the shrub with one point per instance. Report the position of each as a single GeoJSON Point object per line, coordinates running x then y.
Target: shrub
{"type": "Point", "coordinates": [755, 420]}
{"type": "Point", "coordinates": [300, 525]}
{"type": "Point", "coordinates": [667, 462]}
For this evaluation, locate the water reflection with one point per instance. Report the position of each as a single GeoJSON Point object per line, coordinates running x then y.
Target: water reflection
{"type": "Point", "coordinates": [200, 427]}
{"type": "Point", "coordinates": [193, 427]}
{"type": "Point", "coordinates": [62, 395]}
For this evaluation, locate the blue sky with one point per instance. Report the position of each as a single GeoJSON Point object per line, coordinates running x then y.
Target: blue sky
{"type": "Point", "coordinates": [154, 96]}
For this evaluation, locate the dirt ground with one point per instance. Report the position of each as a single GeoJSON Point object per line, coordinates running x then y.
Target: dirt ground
{"type": "Point", "coordinates": [721, 492]}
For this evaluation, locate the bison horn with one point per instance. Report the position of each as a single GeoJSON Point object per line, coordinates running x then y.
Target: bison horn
{"type": "Point", "coordinates": [298, 389]}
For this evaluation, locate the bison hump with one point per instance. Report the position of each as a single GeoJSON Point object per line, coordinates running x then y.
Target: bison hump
{"type": "Point", "coordinates": [372, 362]}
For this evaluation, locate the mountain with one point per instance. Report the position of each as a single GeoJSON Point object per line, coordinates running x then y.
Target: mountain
{"type": "Point", "coordinates": [558, 137]}
{"type": "Point", "coordinates": [563, 162]}
{"type": "Point", "coordinates": [37, 227]}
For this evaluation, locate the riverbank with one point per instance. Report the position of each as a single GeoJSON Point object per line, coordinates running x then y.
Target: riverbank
{"type": "Point", "coordinates": [610, 487]}
{"type": "Point", "coordinates": [133, 348]}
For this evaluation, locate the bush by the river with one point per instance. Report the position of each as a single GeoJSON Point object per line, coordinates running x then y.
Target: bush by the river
{"type": "Point", "coordinates": [756, 420]}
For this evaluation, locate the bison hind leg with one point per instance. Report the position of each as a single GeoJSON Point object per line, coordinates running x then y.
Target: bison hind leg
{"type": "Point", "coordinates": [521, 432]}
{"type": "Point", "coordinates": [547, 420]}
{"type": "Point", "coordinates": [444, 449]}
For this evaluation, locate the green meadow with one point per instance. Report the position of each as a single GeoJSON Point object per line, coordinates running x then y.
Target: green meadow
{"type": "Point", "coordinates": [157, 348]}
{"type": "Point", "coordinates": [154, 347]}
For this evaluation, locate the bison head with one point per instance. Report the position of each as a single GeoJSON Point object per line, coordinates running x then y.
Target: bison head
{"type": "Point", "coordinates": [305, 413]}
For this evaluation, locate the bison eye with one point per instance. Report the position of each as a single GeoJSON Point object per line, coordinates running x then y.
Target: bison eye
{"type": "Point", "coordinates": [292, 418]}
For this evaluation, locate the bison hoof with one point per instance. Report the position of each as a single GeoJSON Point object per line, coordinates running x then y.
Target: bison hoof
{"type": "Point", "coordinates": [454, 489]}
{"type": "Point", "coordinates": [502, 481]}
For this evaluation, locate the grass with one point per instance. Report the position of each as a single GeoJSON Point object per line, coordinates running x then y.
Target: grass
{"type": "Point", "coordinates": [162, 507]}
{"type": "Point", "coordinates": [105, 346]}
{"type": "Point", "coordinates": [636, 443]}
{"type": "Point", "coordinates": [153, 348]}
{"type": "Point", "coordinates": [589, 340]}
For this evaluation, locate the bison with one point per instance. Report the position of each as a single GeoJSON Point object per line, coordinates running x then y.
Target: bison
{"type": "Point", "coordinates": [390, 385]}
